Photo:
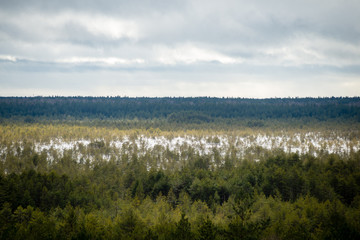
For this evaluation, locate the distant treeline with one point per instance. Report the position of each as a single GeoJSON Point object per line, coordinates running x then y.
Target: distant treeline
{"type": "Point", "coordinates": [193, 110]}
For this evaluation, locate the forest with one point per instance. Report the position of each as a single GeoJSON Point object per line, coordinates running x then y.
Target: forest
{"type": "Point", "coordinates": [179, 168]}
{"type": "Point", "coordinates": [201, 109]}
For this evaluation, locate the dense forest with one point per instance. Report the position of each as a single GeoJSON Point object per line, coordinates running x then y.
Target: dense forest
{"type": "Point", "coordinates": [284, 197]}
{"type": "Point", "coordinates": [200, 109]}
{"type": "Point", "coordinates": [179, 168]}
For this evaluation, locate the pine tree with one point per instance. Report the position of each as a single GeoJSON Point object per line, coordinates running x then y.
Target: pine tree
{"type": "Point", "coordinates": [183, 229]}
{"type": "Point", "coordinates": [206, 230]}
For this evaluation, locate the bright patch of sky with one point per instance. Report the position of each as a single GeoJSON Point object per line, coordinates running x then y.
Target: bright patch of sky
{"type": "Point", "coordinates": [264, 48]}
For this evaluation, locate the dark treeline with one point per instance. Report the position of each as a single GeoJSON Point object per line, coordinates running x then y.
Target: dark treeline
{"type": "Point", "coordinates": [193, 110]}
{"type": "Point", "coordinates": [286, 196]}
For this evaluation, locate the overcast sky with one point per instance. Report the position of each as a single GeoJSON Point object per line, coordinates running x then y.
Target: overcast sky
{"type": "Point", "coordinates": [258, 49]}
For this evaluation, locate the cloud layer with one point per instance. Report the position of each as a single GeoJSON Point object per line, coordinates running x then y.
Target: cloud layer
{"type": "Point", "coordinates": [180, 48]}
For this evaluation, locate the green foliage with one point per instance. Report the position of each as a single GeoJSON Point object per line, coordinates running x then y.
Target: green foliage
{"type": "Point", "coordinates": [129, 226]}
{"type": "Point", "coordinates": [180, 113]}
{"type": "Point", "coordinates": [281, 197]}
{"type": "Point", "coordinates": [207, 230]}
{"type": "Point", "coordinates": [157, 193]}
{"type": "Point", "coordinates": [98, 191]}
{"type": "Point", "coordinates": [183, 229]}
{"type": "Point", "coordinates": [7, 227]}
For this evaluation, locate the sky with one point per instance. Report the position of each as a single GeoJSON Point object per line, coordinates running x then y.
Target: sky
{"type": "Point", "coordinates": [157, 48]}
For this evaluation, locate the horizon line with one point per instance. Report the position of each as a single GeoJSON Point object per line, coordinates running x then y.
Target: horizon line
{"type": "Point", "coordinates": [153, 97]}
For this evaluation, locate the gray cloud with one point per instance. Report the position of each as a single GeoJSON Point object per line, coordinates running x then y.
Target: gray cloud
{"type": "Point", "coordinates": [201, 46]}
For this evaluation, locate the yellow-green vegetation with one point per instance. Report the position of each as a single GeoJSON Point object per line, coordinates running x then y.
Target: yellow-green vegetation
{"type": "Point", "coordinates": [142, 192]}
{"type": "Point", "coordinates": [45, 132]}
{"type": "Point", "coordinates": [173, 168]}
{"type": "Point", "coordinates": [285, 197]}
